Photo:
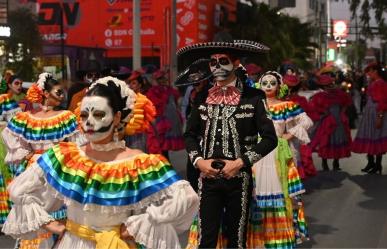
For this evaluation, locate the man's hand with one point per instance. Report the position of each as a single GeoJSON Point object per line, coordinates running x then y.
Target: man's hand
{"type": "Point", "coordinates": [205, 167]}
{"type": "Point", "coordinates": [232, 168]}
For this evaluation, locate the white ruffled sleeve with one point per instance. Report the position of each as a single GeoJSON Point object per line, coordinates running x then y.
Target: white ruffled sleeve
{"type": "Point", "coordinates": [17, 147]}
{"type": "Point", "coordinates": [32, 200]}
{"type": "Point", "coordinates": [298, 126]}
{"type": "Point", "coordinates": [159, 225]}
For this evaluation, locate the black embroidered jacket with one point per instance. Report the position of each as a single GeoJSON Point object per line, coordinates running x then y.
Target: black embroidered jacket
{"type": "Point", "coordinates": [230, 131]}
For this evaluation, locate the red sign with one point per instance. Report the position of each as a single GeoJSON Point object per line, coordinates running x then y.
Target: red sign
{"type": "Point", "coordinates": [340, 28]}
{"type": "Point", "coordinates": [108, 23]}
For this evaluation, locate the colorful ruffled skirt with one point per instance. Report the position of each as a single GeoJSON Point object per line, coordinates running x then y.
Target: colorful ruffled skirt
{"type": "Point", "coordinates": [369, 139]}
{"type": "Point", "coordinates": [277, 215]}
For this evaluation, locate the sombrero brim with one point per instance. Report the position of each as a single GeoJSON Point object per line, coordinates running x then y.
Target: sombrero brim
{"type": "Point", "coordinates": [240, 48]}
{"type": "Point", "coordinates": [185, 79]}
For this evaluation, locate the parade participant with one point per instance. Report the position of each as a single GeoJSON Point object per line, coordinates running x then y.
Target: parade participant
{"type": "Point", "coordinates": [371, 137]}
{"type": "Point", "coordinates": [221, 140]}
{"type": "Point", "coordinates": [302, 152]}
{"type": "Point", "coordinates": [332, 135]}
{"type": "Point", "coordinates": [29, 134]}
{"type": "Point", "coordinates": [8, 108]}
{"type": "Point", "coordinates": [277, 183]}
{"type": "Point", "coordinates": [116, 197]}
{"type": "Point", "coordinates": [196, 77]}
{"type": "Point", "coordinates": [136, 82]}
{"type": "Point", "coordinates": [14, 86]}
{"type": "Point", "coordinates": [12, 101]}
{"type": "Point", "coordinates": [168, 133]}
{"type": "Point", "coordinates": [78, 90]}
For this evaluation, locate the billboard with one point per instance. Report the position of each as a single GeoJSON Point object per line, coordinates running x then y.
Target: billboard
{"type": "Point", "coordinates": [108, 23]}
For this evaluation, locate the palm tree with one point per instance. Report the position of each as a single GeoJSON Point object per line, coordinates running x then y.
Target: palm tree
{"type": "Point", "coordinates": [286, 36]}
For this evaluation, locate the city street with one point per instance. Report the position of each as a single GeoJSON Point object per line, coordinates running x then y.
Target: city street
{"type": "Point", "coordinates": [344, 209]}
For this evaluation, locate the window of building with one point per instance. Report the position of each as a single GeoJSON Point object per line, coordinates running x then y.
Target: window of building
{"type": "Point", "coordinates": [286, 3]}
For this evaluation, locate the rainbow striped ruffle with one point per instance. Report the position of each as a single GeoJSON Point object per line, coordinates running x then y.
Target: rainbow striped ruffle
{"type": "Point", "coordinates": [120, 183]}
{"type": "Point", "coordinates": [36, 130]}
{"type": "Point", "coordinates": [7, 104]}
{"type": "Point", "coordinates": [284, 110]}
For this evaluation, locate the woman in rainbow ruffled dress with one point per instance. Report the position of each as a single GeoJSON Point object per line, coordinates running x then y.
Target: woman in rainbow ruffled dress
{"type": "Point", "coordinates": [30, 133]}
{"type": "Point", "coordinates": [116, 197]}
{"type": "Point", "coordinates": [277, 215]}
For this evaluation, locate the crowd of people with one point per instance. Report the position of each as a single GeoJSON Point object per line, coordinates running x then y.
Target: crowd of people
{"type": "Point", "coordinates": [87, 166]}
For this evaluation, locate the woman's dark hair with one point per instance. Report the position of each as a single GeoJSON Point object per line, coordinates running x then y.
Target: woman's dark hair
{"type": "Point", "coordinates": [49, 83]}
{"type": "Point", "coordinates": [112, 93]}
{"type": "Point", "coordinates": [382, 72]}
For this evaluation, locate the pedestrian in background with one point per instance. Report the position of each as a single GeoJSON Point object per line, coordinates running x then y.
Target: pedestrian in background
{"type": "Point", "coordinates": [371, 137]}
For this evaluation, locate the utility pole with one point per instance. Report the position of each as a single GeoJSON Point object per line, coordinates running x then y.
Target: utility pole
{"type": "Point", "coordinates": [136, 34]}
{"type": "Point", "coordinates": [173, 46]}
{"type": "Point", "coordinates": [328, 4]}
{"type": "Point", "coordinates": [62, 45]}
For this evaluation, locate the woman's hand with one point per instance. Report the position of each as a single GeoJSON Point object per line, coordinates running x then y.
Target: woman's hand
{"type": "Point", "coordinates": [55, 227]}
{"type": "Point", "coordinates": [287, 136]}
{"type": "Point", "coordinates": [124, 234]}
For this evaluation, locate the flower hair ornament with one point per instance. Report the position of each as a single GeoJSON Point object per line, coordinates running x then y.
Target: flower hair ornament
{"type": "Point", "coordinates": [35, 92]}
{"type": "Point", "coordinates": [137, 110]}
{"type": "Point", "coordinates": [283, 89]}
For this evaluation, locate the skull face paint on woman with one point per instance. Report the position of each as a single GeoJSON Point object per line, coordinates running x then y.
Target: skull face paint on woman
{"type": "Point", "coordinates": [97, 118]}
{"type": "Point", "coordinates": [221, 66]}
{"type": "Point", "coordinates": [269, 85]}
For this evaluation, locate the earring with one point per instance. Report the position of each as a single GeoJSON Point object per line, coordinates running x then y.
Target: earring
{"type": "Point", "coordinates": [115, 135]}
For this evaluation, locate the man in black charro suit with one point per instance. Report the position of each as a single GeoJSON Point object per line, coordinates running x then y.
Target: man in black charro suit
{"type": "Point", "coordinates": [222, 140]}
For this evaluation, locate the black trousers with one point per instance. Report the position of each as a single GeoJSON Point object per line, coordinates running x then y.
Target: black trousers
{"type": "Point", "coordinates": [192, 175]}
{"type": "Point", "coordinates": [224, 202]}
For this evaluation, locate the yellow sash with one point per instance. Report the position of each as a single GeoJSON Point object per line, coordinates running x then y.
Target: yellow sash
{"type": "Point", "coordinates": [104, 239]}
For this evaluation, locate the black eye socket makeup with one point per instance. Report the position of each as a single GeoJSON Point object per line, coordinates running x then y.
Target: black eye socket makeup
{"type": "Point", "coordinates": [222, 61]}
{"type": "Point", "coordinates": [59, 92]}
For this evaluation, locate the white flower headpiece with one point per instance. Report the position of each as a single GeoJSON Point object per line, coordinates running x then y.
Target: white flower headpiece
{"type": "Point", "coordinates": [279, 76]}
{"type": "Point", "coordinates": [124, 88]}
{"type": "Point", "coordinates": [42, 78]}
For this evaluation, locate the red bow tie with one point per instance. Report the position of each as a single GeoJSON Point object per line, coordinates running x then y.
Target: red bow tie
{"type": "Point", "coordinates": [228, 95]}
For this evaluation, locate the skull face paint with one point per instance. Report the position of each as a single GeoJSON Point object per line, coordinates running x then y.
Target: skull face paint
{"type": "Point", "coordinates": [269, 84]}
{"type": "Point", "coordinates": [97, 118]}
{"type": "Point", "coordinates": [221, 66]}
{"type": "Point", "coordinates": [16, 86]}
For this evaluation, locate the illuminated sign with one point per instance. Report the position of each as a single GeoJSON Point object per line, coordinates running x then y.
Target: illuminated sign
{"type": "Point", "coordinates": [340, 28]}
{"type": "Point", "coordinates": [5, 31]}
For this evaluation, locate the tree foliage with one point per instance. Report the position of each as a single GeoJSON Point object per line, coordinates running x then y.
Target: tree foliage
{"type": "Point", "coordinates": [24, 44]}
{"type": "Point", "coordinates": [379, 7]}
{"type": "Point", "coordinates": [287, 37]}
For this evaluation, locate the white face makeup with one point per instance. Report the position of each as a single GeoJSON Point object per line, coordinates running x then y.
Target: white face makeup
{"type": "Point", "coordinates": [97, 118]}
{"type": "Point", "coordinates": [221, 67]}
{"type": "Point", "coordinates": [16, 86]}
{"type": "Point", "coordinates": [269, 84]}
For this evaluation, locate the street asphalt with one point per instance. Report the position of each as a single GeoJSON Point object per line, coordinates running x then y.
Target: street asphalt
{"type": "Point", "coordinates": [346, 209]}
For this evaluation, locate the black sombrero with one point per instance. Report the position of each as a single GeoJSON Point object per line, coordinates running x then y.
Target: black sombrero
{"type": "Point", "coordinates": [198, 71]}
{"type": "Point", "coordinates": [239, 48]}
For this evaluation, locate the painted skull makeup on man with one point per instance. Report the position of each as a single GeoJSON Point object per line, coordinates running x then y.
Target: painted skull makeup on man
{"type": "Point", "coordinates": [97, 118]}
{"type": "Point", "coordinates": [269, 83]}
{"type": "Point", "coordinates": [221, 66]}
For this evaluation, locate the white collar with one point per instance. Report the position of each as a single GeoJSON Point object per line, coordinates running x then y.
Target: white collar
{"type": "Point", "coordinates": [232, 83]}
{"type": "Point", "coordinates": [109, 146]}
